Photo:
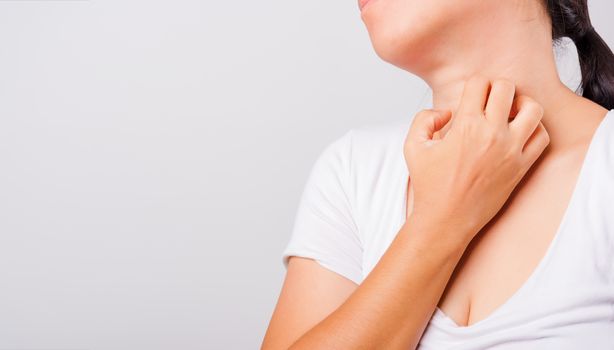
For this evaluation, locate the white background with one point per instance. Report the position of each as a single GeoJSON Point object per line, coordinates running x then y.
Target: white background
{"type": "Point", "coordinates": [153, 153]}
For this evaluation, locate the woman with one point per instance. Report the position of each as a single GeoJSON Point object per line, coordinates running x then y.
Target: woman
{"type": "Point", "coordinates": [473, 227]}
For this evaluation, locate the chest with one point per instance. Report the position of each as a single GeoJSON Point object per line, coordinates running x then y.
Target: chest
{"type": "Point", "coordinates": [550, 244]}
{"type": "Point", "coordinates": [511, 248]}
{"type": "Point", "coordinates": [503, 255]}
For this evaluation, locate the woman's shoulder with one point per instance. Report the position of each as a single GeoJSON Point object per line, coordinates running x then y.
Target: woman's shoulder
{"type": "Point", "coordinates": [365, 153]}
{"type": "Point", "coordinates": [370, 152]}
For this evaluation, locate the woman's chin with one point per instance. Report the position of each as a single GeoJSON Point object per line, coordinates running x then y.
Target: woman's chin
{"type": "Point", "coordinates": [386, 52]}
{"type": "Point", "coordinates": [402, 48]}
{"type": "Point", "coordinates": [392, 49]}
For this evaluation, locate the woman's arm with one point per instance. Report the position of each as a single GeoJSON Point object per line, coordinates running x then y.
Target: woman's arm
{"type": "Point", "coordinates": [459, 181]}
{"type": "Point", "coordinates": [390, 309]}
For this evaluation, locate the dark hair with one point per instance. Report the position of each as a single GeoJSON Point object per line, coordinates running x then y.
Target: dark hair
{"type": "Point", "coordinates": [570, 19]}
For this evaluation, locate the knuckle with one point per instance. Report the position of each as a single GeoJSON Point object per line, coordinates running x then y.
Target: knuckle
{"type": "Point", "coordinates": [539, 109]}
{"type": "Point", "coordinates": [477, 80]}
{"type": "Point", "coordinates": [422, 113]}
{"type": "Point", "coordinates": [504, 83]}
{"type": "Point", "coordinates": [517, 101]}
{"type": "Point", "coordinates": [419, 119]}
{"type": "Point", "coordinates": [425, 113]}
{"type": "Point", "coordinates": [533, 107]}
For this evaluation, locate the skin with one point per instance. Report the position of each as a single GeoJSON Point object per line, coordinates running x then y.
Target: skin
{"type": "Point", "coordinates": [464, 258]}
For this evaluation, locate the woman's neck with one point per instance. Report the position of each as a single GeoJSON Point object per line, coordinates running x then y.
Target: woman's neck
{"type": "Point", "coordinates": [517, 46]}
{"type": "Point", "coordinates": [569, 119]}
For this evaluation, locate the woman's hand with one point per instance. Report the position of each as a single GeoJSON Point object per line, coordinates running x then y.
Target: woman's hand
{"type": "Point", "coordinates": [463, 178]}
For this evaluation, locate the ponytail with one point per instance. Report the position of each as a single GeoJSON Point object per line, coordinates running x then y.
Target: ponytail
{"type": "Point", "coordinates": [570, 19]}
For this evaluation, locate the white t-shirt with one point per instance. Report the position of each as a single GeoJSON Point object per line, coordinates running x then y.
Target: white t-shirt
{"type": "Point", "coordinates": [354, 203]}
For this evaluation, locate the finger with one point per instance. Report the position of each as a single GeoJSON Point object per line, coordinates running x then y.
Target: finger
{"type": "Point", "coordinates": [441, 133]}
{"type": "Point", "coordinates": [526, 120]}
{"type": "Point", "coordinates": [500, 101]}
{"type": "Point", "coordinates": [427, 122]}
{"type": "Point", "coordinates": [535, 145]}
{"type": "Point", "coordinates": [475, 94]}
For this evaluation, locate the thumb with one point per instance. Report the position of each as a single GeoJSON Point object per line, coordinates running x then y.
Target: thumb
{"type": "Point", "coordinates": [427, 122]}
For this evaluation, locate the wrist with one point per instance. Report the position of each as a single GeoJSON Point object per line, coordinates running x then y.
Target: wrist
{"type": "Point", "coordinates": [450, 237]}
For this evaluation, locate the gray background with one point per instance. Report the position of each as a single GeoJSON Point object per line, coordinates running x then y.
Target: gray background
{"type": "Point", "coordinates": [153, 154]}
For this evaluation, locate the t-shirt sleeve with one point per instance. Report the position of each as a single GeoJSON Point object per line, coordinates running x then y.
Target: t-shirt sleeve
{"type": "Point", "coordinates": [324, 227]}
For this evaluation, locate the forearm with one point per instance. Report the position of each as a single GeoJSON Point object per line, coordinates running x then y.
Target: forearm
{"type": "Point", "coordinates": [392, 306]}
